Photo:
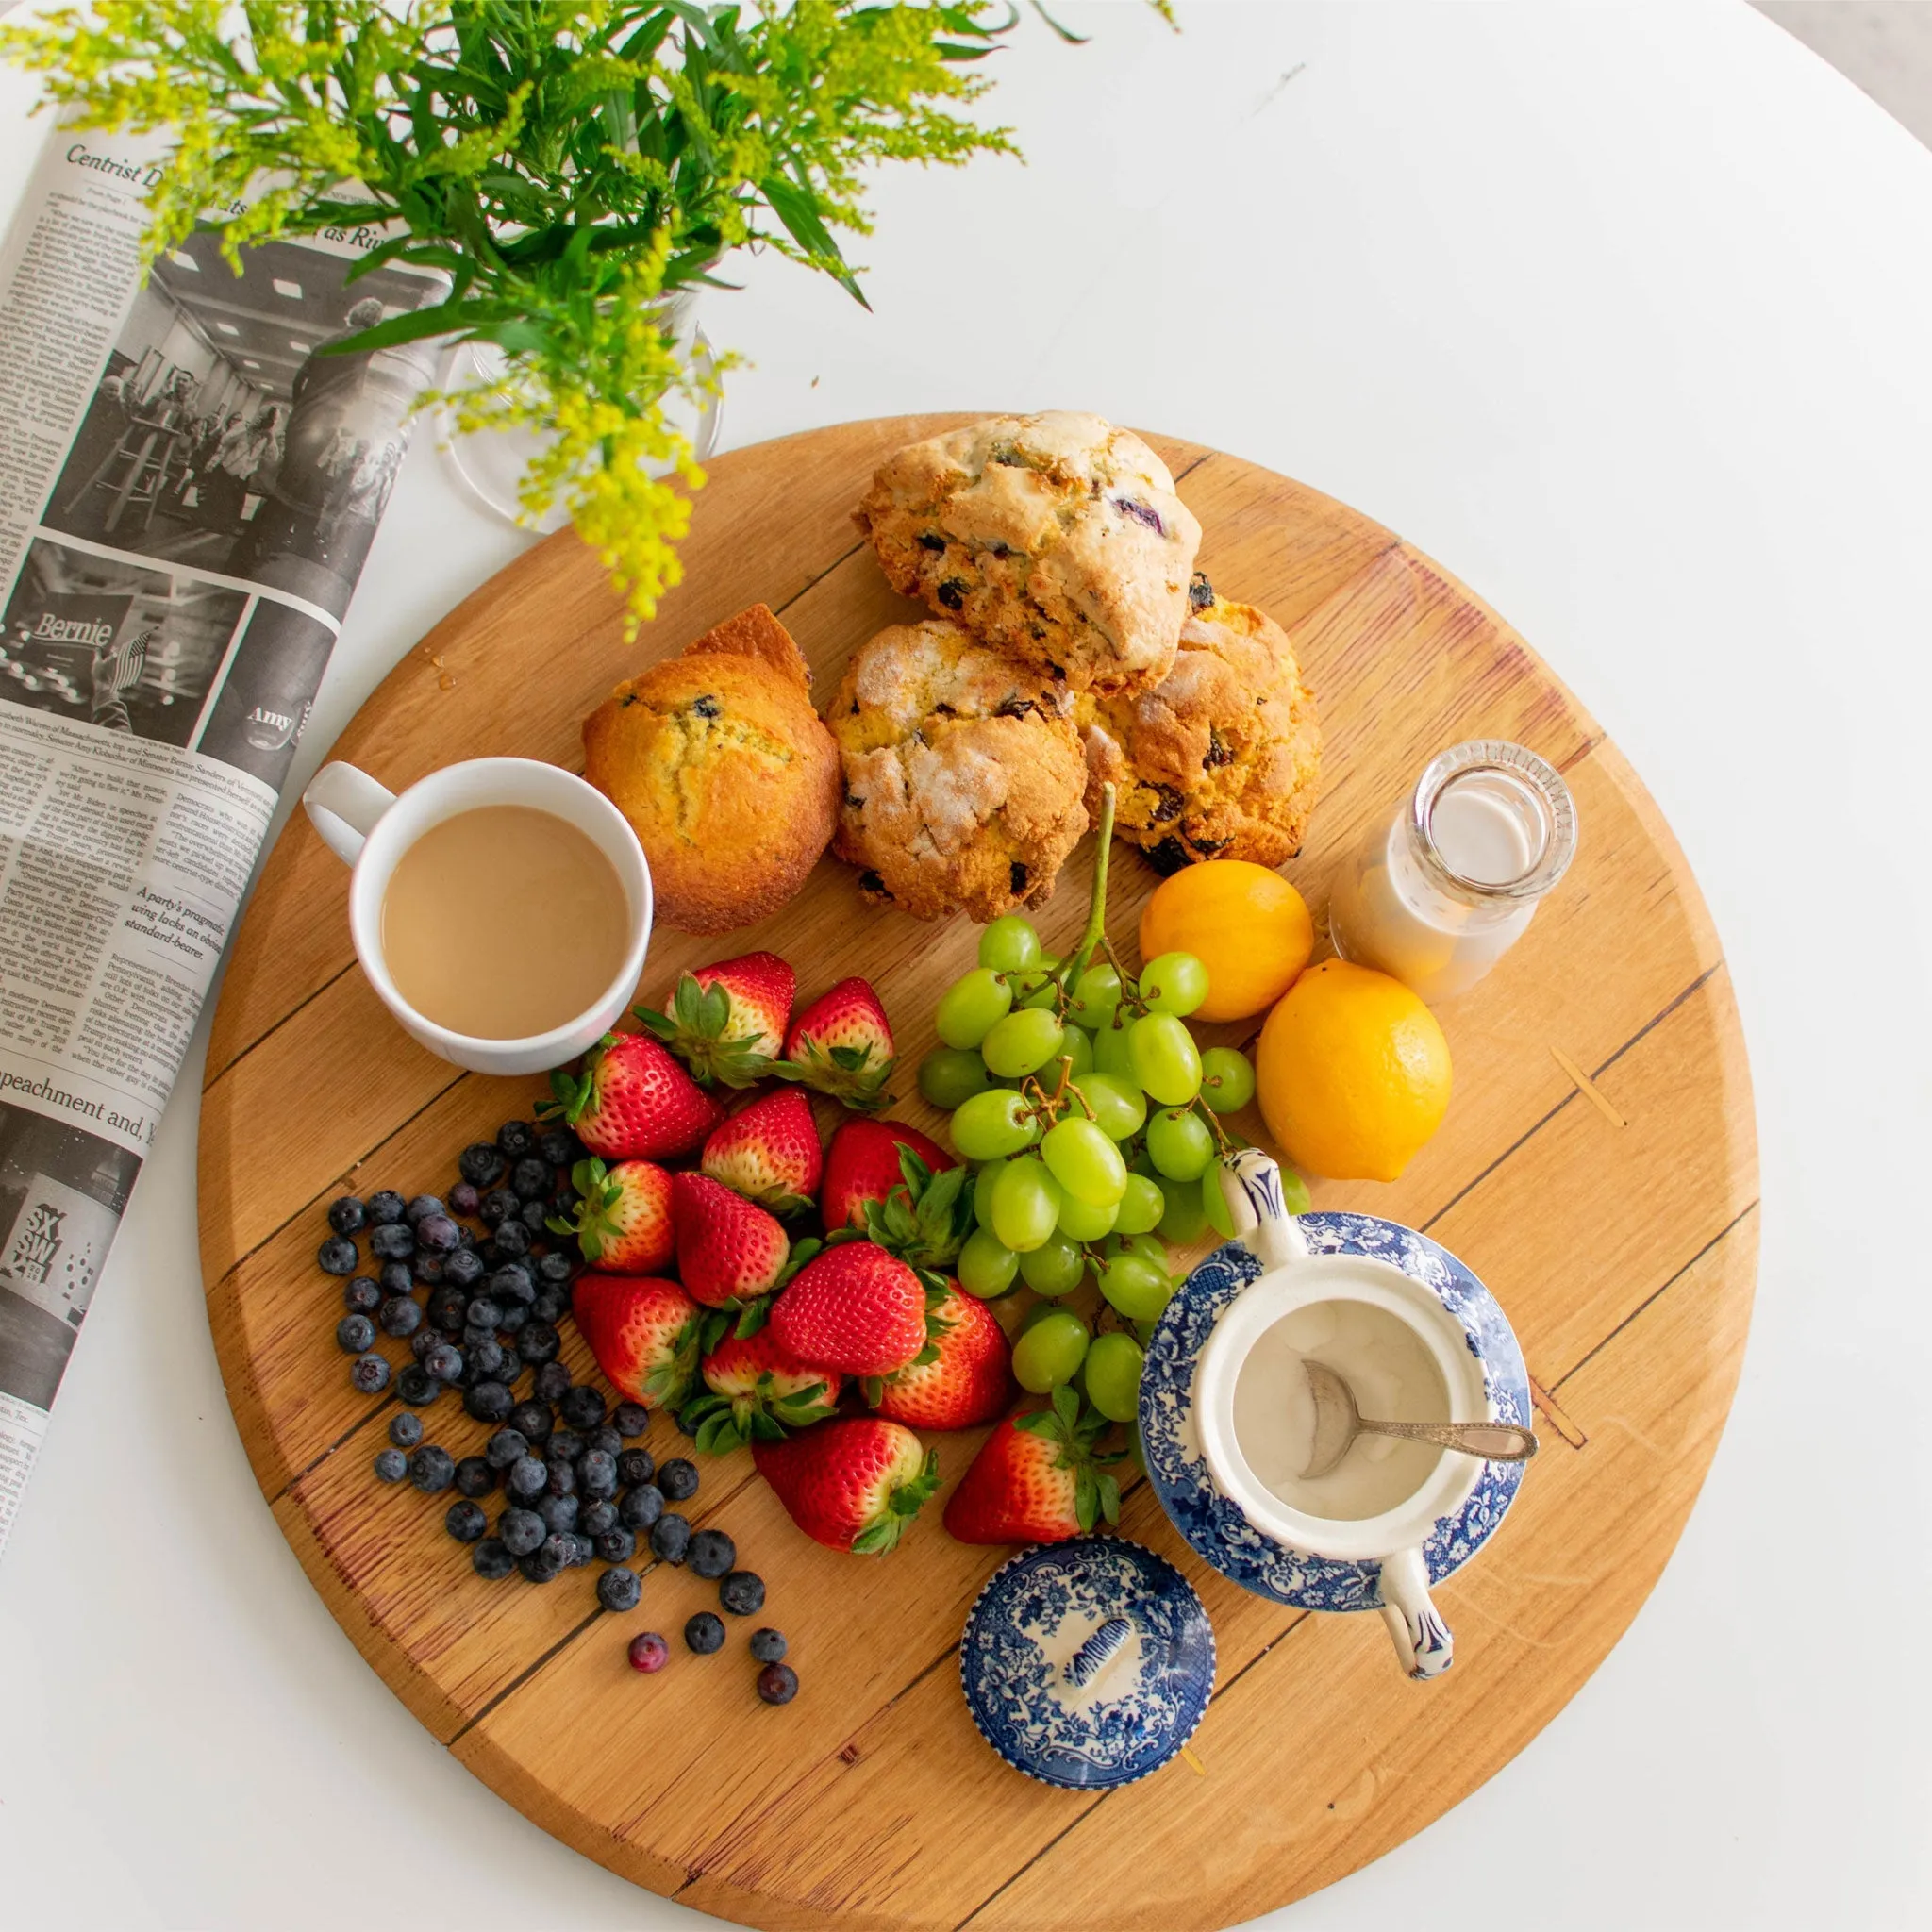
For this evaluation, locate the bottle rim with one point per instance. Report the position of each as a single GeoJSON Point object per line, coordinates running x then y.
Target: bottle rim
{"type": "Point", "coordinates": [1540, 779]}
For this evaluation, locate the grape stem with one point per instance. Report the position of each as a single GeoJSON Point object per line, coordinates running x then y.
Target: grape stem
{"type": "Point", "coordinates": [1095, 934]}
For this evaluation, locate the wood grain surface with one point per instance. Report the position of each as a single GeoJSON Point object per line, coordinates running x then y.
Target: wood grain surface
{"type": "Point", "coordinates": [1614, 1217]}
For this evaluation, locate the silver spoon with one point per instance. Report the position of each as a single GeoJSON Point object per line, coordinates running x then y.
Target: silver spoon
{"type": "Point", "coordinates": [1338, 1422]}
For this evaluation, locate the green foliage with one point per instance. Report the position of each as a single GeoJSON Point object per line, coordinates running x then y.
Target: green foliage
{"type": "Point", "coordinates": [568, 166]}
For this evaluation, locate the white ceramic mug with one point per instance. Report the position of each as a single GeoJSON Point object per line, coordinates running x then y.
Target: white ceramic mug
{"type": "Point", "coordinates": [1294, 1278]}
{"type": "Point", "coordinates": [369, 829]}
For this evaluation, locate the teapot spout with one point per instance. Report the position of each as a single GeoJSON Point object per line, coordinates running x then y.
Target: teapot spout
{"type": "Point", "coordinates": [1251, 1186]}
{"type": "Point", "coordinates": [1423, 1643]}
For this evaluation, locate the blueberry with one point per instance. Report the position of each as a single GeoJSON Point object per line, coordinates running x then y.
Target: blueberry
{"type": "Point", "coordinates": [480, 1164]}
{"type": "Point", "coordinates": [362, 1296]}
{"type": "Point", "coordinates": [416, 1385]}
{"type": "Point", "coordinates": [491, 1560]}
{"type": "Point", "coordinates": [527, 1477]}
{"type": "Point", "coordinates": [475, 1476]}
{"type": "Point", "coordinates": [405, 1430]}
{"type": "Point", "coordinates": [347, 1215]}
{"type": "Point", "coordinates": [473, 1337]}
{"type": "Point", "coordinates": [560, 1513]}
{"type": "Point", "coordinates": [432, 1469]}
{"type": "Point", "coordinates": [742, 1593]}
{"type": "Point", "coordinates": [464, 1198]}
{"type": "Point", "coordinates": [392, 1466]}
{"type": "Point", "coordinates": [337, 1256]}
{"type": "Point", "coordinates": [635, 1466]}
{"type": "Point", "coordinates": [514, 1316]}
{"type": "Point", "coordinates": [354, 1333]}
{"type": "Point", "coordinates": [444, 1310]}
{"type": "Point", "coordinates": [630, 1418]}
{"type": "Point", "coordinates": [777, 1683]}
{"type": "Point", "coordinates": [400, 1316]}
{"type": "Point", "coordinates": [582, 1407]}
{"type": "Point", "coordinates": [548, 1306]}
{"type": "Point", "coordinates": [586, 1550]}
{"type": "Point", "coordinates": [606, 1438]}
{"type": "Point", "coordinates": [703, 1633]}
{"type": "Point", "coordinates": [495, 1206]}
{"type": "Point", "coordinates": [512, 1282]}
{"type": "Point", "coordinates": [421, 1209]}
{"type": "Point", "coordinates": [563, 1478]}
{"type": "Point", "coordinates": [560, 1546]}
{"type": "Point", "coordinates": [513, 1366]}
{"type": "Point", "coordinates": [670, 1538]}
{"type": "Point", "coordinates": [619, 1590]}
{"type": "Point", "coordinates": [712, 1553]}
{"type": "Point", "coordinates": [541, 1565]}
{"type": "Point", "coordinates": [369, 1374]}
{"type": "Point", "coordinates": [522, 1530]}
{"type": "Point", "coordinates": [768, 1645]}
{"type": "Point", "coordinates": [597, 1475]}
{"type": "Point", "coordinates": [516, 1138]}
{"type": "Point", "coordinates": [552, 1379]}
{"type": "Point", "coordinates": [533, 1419]}
{"type": "Point", "coordinates": [678, 1479]}
{"type": "Point", "coordinates": [439, 1234]}
{"type": "Point", "coordinates": [483, 1314]}
{"type": "Point", "coordinates": [593, 1519]}
{"type": "Point", "coordinates": [642, 1507]}
{"type": "Point", "coordinates": [423, 1341]}
{"type": "Point", "coordinates": [565, 1445]}
{"type": "Point", "coordinates": [540, 1342]}
{"type": "Point", "coordinates": [648, 1652]}
{"type": "Point", "coordinates": [507, 1445]}
{"type": "Point", "coordinates": [616, 1545]}
{"type": "Point", "coordinates": [532, 1178]}
{"type": "Point", "coordinates": [560, 1146]}
{"type": "Point", "coordinates": [489, 1402]}
{"type": "Point", "coordinates": [535, 1215]}
{"type": "Point", "coordinates": [396, 1277]}
{"type": "Point", "coordinates": [513, 1240]}
{"type": "Point", "coordinates": [442, 1361]}
{"type": "Point", "coordinates": [385, 1207]}
{"type": "Point", "coordinates": [464, 1269]}
{"type": "Point", "coordinates": [483, 1362]}
{"type": "Point", "coordinates": [394, 1241]}
{"type": "Point", "coordinates": [554, 1271]}
{"type": "Point", "coordinates": [465, 1521]}
{"type": "Point", "coordinates": [426, 1270]}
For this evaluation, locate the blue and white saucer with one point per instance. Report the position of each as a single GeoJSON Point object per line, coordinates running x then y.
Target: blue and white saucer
{"type": "Point", "coordinates": [1087, 1663]}
{"type": "Point", "coordinates": [1215, 1527]}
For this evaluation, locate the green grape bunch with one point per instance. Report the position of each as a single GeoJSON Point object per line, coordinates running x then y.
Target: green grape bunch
{"type": "Point", "coordinates": [569, 165]}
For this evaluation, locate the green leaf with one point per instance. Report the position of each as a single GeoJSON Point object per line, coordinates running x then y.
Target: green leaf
{"type": "Point", "coordinates": [796, 209]}
{"type": "Point", "coordinates": [1110, 1497]}
{"type": "Point", "coordinates": [1066, 1406]}
{"type": "Point", "coordinates": [872, 1388]}
{"type": "Point", "coordinates": [1086, 1497]}
{"type": "Point", "coordinates": [752, 1317]}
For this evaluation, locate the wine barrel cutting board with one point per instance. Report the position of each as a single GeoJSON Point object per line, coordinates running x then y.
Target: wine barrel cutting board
{"type": "Point", "coordinates": [1598, 1169]}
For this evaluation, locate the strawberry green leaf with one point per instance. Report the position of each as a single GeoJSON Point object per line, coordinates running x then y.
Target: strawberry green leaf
{"type": "Point", "coordinates": [872, 1388]}
{"type": "Point", "coordinates": [909, 1498]}
{"type": "Point", "coordinates": [1039, 1422]}
{"type": "Point", "coordinates": [1110, 1497]}
{"type": "Point", "coordinates": [752, 1317]}
{"type": "Point", "coordinates": [914, 1171]}
{"type": "Point", "coordinates": [1066, 1406]}
{"type": "Point", "coordinates": [930, 1352]}
{"type": "Point", "coordinates": [1086, 1497]}
{"type": "Point", "coordinates": [878, 1536]}
{"type": "Point", "coordinates": [716, 1321]}
{"type": "Point", "coordinates": [765, 1427]}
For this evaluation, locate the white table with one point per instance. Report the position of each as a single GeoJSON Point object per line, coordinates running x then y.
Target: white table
{"type": "Point", "coordinates": [1625, 315]}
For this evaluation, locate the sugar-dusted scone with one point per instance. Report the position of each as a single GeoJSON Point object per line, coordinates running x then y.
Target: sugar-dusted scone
{"type": "Point", "coordinates": [963, 773]}
{"type": "Point", "coordinates": [1222, 759]}
{"type": "Point", "coordinates": [726, 775]}
{"type": "Point", "coordinates": [1057, 537]}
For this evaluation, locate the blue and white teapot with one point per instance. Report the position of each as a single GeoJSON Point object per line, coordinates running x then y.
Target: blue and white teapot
{"type": "Point", "coordinates": [1219, 1408]}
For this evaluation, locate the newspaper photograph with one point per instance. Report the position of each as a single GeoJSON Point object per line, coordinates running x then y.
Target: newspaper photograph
{"type": "Point", "coordinates": [189, 484]}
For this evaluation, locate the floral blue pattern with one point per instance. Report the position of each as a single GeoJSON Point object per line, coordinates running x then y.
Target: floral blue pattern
{"type": "Point", "coordinates": [1088, 1663]}
{"type": "Point", "coordinates": [1215, 1527]}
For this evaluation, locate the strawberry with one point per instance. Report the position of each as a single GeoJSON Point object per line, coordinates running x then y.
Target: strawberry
{"type": "Point", "coordinates": [624, 1221]}
{"type": "Point", "coordinates": [728, 1021]}
{"type": "Point", "coordinates": [758, 1392]}
{"type": "Point", "coordinates": [855, 1308]}
{"type": "Point", "coordinates": [632, 1101]}
{"type": "Point", "coordinates": [769, 1152]}
{"type": "Point", "coordinates": [841, 1045]}
{"type": "Point", "coordinates": [863, 1165]}
{"type": "Point", "coordinates": [968, 1382]}
{"type": "Point", "coordinates": [891, 1183]}
{"type": "Point", "coordinates": [851, 1485]}
{"type": "Point", "coordinates": [728, 1248]}
{"type": "Point", "coordinates": [1036, 1479]}
{"type": "Point", "coordinates": [643, 1332]}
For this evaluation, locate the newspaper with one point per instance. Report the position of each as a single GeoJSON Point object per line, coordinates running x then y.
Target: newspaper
{"type": "Point", "coordinates": [187, 492]}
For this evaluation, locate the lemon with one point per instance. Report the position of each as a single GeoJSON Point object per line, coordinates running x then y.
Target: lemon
{"type": "Point", "coordinates": [1353, 1072]}
{"type": "Point", "coordinates": [1246, 924]}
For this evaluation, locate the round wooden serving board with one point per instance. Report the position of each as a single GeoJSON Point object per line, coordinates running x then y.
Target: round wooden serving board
{"type": "Point", "coordinates": [1598, 1169]}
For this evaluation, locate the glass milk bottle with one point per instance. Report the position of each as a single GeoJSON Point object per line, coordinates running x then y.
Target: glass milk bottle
{"type": "Point", "coordinates": [1439, 890]}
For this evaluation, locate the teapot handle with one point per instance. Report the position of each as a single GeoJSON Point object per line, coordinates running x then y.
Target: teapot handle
{"type": "Point", "coordinates": [1251, 1186]}
{"type": "Point", "coordinates": [1423, 1641]}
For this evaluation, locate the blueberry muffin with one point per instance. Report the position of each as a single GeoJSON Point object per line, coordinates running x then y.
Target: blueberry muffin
{"type": "Point", "coordinates": [1057, 537]}
{"type": "Point", "coordinates": [1222, 758]}
{"type": "Point", "coordinates": [963, 773]}
{"type": "Point", "coordinates": [726, 775]}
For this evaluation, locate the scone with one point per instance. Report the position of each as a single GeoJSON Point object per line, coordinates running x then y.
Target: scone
{"type": "Point", "coordinates": [1222, 758]}
{"type": "Point", "coordinates": [1056, 536]}
{"type": "Point", "coordinates": [726, 775]}
{"type": "Point", "coordinates": [963, 773]}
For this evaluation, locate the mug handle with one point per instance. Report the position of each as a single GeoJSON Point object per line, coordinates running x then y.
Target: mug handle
{"type": "Point", "coordinates": [1251, 1186]}
{"type": "Point", "coordinates": [1423, 1641]}
{"type": "Point", "coordinates": [343, 805]}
